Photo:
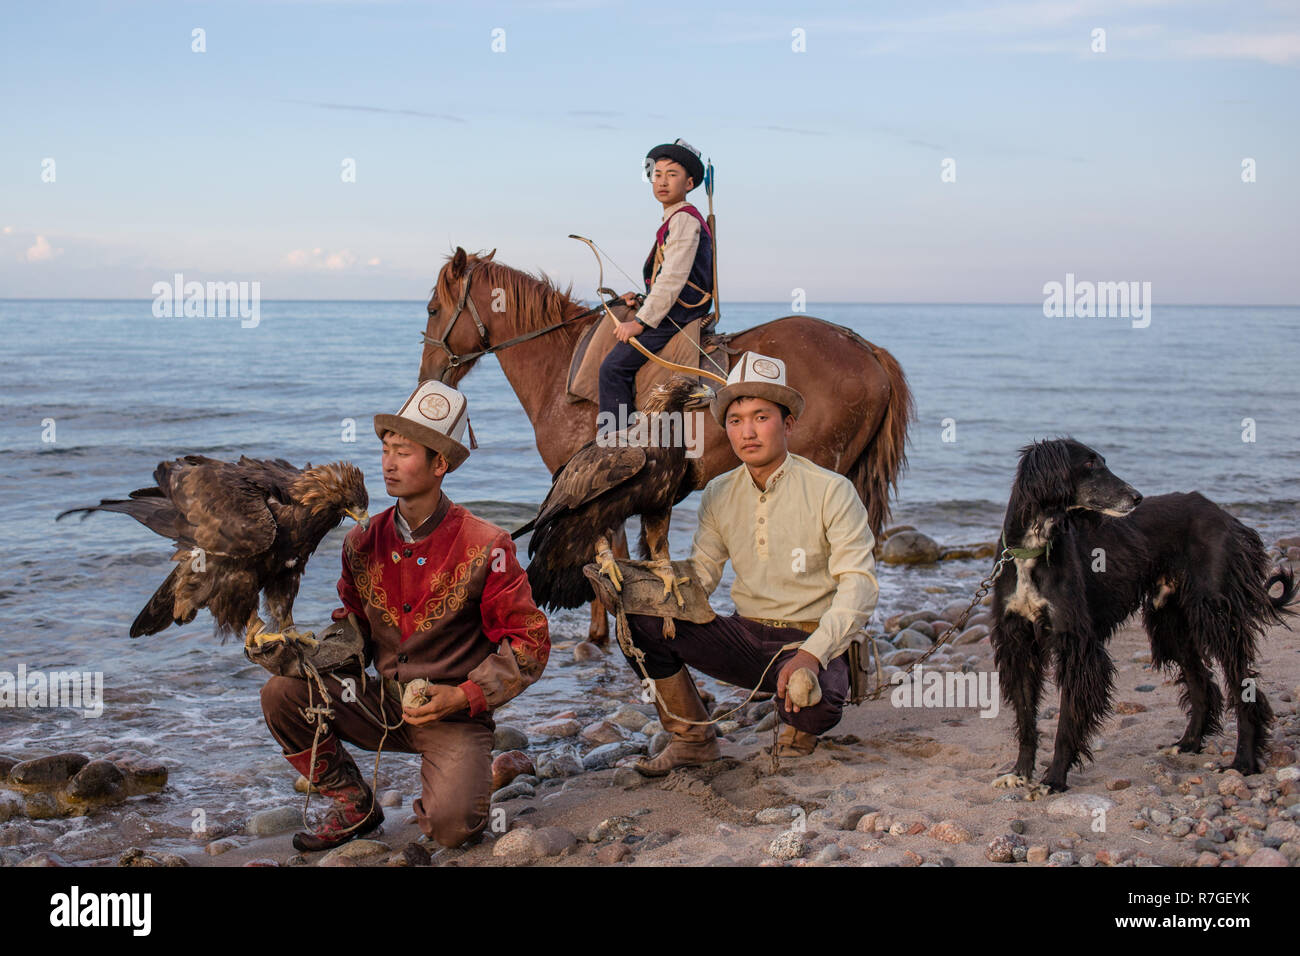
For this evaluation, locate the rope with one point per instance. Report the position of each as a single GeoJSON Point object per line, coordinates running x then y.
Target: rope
{"type": "Point", "coordinates": [318, 715]}
{"type": "Point", "coordinates": [623, 633]}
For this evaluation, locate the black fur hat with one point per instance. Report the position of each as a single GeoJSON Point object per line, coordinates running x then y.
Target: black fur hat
{"type": "Point", "coordinates": [681, 152]}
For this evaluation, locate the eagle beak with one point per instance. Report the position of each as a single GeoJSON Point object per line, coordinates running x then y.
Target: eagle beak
{"type": "Point", "coordinates": [701, 396]}
{"type": "Point", "coordinates": [360, 517]}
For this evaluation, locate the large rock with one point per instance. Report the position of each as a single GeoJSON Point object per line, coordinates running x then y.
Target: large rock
{"type": "Point", "coordinates": [604, 732]}
{"type": "Point", "coordinates": [898, 621]}
{"type": "Point", "coordinates": [506, 737]}
{"type": "Point", "coordinates": [507, 766]}
{"type": "Point", "coordinates": [913, 638]}
{"type": "Point", "coordinates": [910, 547]}
{"type": "Point", "coordinates": [47, 773]}
{"type": "Point", "coordinates": [972, 635]}
{"type": "Point", "coordinates": [99, 782]}
{"type": "Point", "coordinates": [355, 852]}
{"type": "Point", "coordinates": [561, 762]}
{"type": "Point", "coordinates": [790, 844]}
{"type": "Point", "coordinates": [7, 763]}
{"type": "Point", "coordinates": [558, 727]}
{"type": "Point", "coordinates": [513, 790]}
{"type": "Point", "coordinates": [607, 755]}
{"type": "Point", "coordinates": [273, 821]}
{"type": "Point", "coordinates": [143, 774]}
{"type": "Point", "coordinates": [629, 718]}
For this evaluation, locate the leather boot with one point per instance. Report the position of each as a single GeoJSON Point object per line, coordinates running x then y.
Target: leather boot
{"type": "Point", "coordinates": [355, 811]}
{"type": "Point", "coordinates": [692, 744]}
{"type": "Point", "coordinates": [795, 743]}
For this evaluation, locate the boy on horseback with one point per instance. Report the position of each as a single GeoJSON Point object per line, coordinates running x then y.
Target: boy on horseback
{"type": "Point", "coordinates": [678, 275]}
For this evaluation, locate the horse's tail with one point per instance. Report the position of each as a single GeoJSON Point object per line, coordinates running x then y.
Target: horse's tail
{"type": "Point", "coordinates": [884, 458]}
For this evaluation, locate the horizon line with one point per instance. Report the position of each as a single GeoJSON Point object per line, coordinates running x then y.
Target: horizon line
{"type": "Point", "coordinates": [1207, 305]}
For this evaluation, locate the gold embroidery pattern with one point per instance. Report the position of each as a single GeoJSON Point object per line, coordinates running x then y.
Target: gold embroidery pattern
{"type": "Point", "coordinates": [367, 580]}
{"type": "Point", "coordinates": [448, 590]}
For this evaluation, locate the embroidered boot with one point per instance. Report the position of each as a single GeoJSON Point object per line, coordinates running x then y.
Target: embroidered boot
{"type": "Point", "coordinates": [692, 744]}
{"type": "Point", "coordinates": [355, 811]}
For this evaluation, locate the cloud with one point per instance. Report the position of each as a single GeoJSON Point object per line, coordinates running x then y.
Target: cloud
{"type": "Point", "coordinates": [379, 109]}
{"type": "Point", "coordinates": [1278, 48]}
{"type": "Point", "coordinates": [40, 251]}
{"type": "Point", "coordinates": [318, 259]}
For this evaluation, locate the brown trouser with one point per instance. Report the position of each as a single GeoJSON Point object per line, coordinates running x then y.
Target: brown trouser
{"type": "Point", "coordinates": [736, 650]}
{"type": "Point", "coordinates": [456, 752]}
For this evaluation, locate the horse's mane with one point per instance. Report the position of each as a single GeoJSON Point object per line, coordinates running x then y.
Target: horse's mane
{"type": "Point", "coordinates": [532, 301]}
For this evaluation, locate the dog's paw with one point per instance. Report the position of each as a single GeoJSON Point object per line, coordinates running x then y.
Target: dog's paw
{"type": "Point", "coordinates": [1046, 786]}
{"type": "Point", "coordinates": [1009, 781]}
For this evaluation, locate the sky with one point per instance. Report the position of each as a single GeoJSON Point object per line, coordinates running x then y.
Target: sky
{"type": "Point", "coordinates": [511, 125]}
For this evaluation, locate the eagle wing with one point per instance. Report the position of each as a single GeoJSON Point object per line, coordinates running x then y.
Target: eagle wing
{"type": "Point", "coordinates": [225, 505]}
{"type": "Point", "coordinates": [590, 473]}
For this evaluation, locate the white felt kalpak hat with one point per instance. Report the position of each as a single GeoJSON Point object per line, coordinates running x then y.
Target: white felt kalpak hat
{"type": "Point", "coordinates": [756, 376]}
{"type": "Point", "coordinates": [435, 416]}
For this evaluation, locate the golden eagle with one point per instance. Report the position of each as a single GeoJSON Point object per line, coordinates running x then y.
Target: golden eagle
{"type": "Point", "coordinates": [242, 530]}
{"type": "Point", "coordinates": [643, 470]}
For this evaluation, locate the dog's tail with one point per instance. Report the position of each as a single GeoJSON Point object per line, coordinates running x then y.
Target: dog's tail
{"type": "Point", "coordinates": [1286, 577]}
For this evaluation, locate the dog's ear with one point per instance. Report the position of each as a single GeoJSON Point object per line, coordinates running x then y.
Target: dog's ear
{"type": "Point", "coordinates": [1044, 480]}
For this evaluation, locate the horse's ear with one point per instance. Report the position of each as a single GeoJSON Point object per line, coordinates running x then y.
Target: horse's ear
{"type": "Point", "coordinates": [489, 256]}
{"type": "Point", "coordinates": [458, 263]}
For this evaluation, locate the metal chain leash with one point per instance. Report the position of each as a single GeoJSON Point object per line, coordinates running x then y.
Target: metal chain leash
{"type": "Point", "coordinates": [985, 586]}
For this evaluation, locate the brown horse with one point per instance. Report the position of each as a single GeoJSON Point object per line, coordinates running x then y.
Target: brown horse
{"type": "Point", "coordinates": [857, 402]}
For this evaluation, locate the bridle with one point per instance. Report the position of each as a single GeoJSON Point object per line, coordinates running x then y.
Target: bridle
{"type": "Point", "coordinates": [487, 348]}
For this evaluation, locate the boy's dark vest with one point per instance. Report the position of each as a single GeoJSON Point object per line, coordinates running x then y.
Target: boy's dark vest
{"type": "Point", "coordinates": [696, 297]}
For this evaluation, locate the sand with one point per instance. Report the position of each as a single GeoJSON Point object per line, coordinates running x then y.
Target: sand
{"type": "Point", "coordinates": [914, 768]}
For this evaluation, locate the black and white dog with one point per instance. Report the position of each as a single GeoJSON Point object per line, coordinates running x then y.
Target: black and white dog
{"type": "Point", "coordinates": [1088, 552]}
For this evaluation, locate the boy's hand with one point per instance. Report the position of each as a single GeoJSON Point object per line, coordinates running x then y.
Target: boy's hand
{"type": "Point", "coordinates": [625, 330]}
{"type": "Point", "coordinates": [445, 700]}
{"type": "Point", "coordinates": [801, 659]}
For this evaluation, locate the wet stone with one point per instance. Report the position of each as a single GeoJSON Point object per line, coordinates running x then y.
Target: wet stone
{"type": "Point", "coordinates": [99, 782]}
{"type": "Point", "coordinates": [143, 774]}
{"type": "Point", "coordinates": [273, 821]}
{"type": "Point", "coordinates": [47, 772]}
{"type": "Point", "coordinates": [506, 737]}
{"type": "Point", "coordinates": [607, 755]}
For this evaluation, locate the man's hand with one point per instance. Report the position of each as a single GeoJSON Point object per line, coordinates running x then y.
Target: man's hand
{"type": "Point", "coordinates": [625, 330]}
{"type": "Point", "coordinates": [631, 300]}
{"type": "Point", "coordinates": [801, 659]}
{"type": "Point", "coordinates": [445, 700]}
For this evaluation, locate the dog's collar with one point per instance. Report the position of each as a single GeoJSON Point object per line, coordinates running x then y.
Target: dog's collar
{"type": "Point", "coordinates": [1025, 554]}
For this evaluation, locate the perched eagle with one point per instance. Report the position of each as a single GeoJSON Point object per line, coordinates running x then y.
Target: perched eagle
{"type": "Point", "coordinates": [242, 530]}
{"type": "Point", "coordinates": [640, 471]}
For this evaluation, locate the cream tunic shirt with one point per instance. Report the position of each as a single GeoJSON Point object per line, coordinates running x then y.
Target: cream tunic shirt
{"type": "Point", "coordinates": [801, 549]}
{"type": "Point", "coordinates": [679, 256]}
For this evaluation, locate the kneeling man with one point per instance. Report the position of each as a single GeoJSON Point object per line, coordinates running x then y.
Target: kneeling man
{"type": "Point", "coordinates": [439, 595]}
{"type": "Point", "coordinates": [800, 544]}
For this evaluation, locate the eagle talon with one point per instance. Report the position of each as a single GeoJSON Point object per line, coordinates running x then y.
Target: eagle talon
{"type": "Point", "coordinates": [609, 567]}
{"type": "Point", "coordinates": [663, 570]}
{"type": "Point", "coordinates": [294, 636]}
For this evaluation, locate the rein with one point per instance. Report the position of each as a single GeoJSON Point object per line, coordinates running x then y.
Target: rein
{"type": "Point", "coordinates": [488, 348]}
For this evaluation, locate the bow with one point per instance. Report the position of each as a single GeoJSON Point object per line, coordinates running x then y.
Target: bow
{"type": "Point", "coordinates": [606, 293]}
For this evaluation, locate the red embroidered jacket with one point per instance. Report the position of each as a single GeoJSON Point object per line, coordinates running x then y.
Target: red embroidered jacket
{"type": "Point", "coordinates": [453, 606]}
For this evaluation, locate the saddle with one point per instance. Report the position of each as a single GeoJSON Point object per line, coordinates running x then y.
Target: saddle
{"type": "Point", "coordinates": [597, 340]}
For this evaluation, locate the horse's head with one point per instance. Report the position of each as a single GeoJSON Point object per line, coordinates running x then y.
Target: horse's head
{"type": "Point", "coordinates": [452, 336]}
{"type": "Point", "coordinates": [480, 305]}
